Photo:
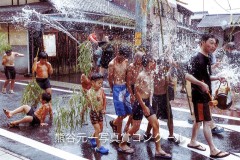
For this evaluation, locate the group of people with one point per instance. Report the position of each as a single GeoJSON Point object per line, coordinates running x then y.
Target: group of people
{"type": "Point", "coordinates": [141, 88]}
{"type": "Point", "coordinates": [43, 69]}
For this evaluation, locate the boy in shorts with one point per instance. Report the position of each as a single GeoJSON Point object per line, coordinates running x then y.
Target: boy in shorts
{"type": "Point", "coordinates": [8, 62]}
{"type": "Point", "coordinates": [160, 98]}
{"type": "Point", "coordinates": [35, 118]}
{"type": "Point", "coordinates": [143, 92]}
{"type": "Point", "coordinates": [97, 104]}
{"type": "Point", "coordinates": [43, 71]}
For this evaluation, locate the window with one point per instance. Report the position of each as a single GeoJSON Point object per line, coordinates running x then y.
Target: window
{"type": "Point", "coordinates": [49, 42]}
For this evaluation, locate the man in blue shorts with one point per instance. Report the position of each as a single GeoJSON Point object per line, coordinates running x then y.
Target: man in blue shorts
{"type": "Point", "coordinates": [117, 71]}
{"type": "Point", "coordinates": [143, 91]}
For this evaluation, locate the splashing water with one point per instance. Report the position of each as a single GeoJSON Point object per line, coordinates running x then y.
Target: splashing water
{"type": "Point", "coordinates": [232, 75]}
{"type": "Point", "coordinates": [32, 19]}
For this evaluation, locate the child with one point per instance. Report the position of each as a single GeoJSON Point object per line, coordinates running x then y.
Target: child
{"type": "Point", "coordinates": [37, 117]}
{"type": "Point", "coordinates": [85, 82]}
{"type": "Point", "coordinates": [43, 71]}
{"type": "Point", "coordinates": [97, 104]}
{"type": "Point", "coordinates": [8, 61]}
{"type": "Point", "coordinates": [161, 98]}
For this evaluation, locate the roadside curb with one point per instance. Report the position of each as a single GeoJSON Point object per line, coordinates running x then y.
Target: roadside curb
{"type": "Point", "coordinates": [6, 154]}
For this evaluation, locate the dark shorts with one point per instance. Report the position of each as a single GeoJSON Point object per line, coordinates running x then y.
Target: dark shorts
{"type": "Point", "coordinates": [44, 83]}
{"type": "Point", "coordinates": [201, 107]}
{"type": "Point", "coordinates": [170, 93]}
{"type": "Point", "coordinates": [133, 88]}
{"type": "Point", "coordinates": [138, 112]}
{"type": "Point", "coordinates": [202, 112]}
{"type": "Point", "coordinates": [160, 108]}
{"type": "Point", "coordinates": [96, 117]}
{"type": "Point", "coordinates": [35, 118]}
{"type": "Point", "coordinates": [10, 72]}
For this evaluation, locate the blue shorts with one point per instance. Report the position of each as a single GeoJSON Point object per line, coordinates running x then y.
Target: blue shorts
{"type": "Point", "coordinates": [121, 100]}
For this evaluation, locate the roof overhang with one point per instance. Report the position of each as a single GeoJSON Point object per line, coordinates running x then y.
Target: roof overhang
{"type": "Point", "coordinates": [220, 20]}
{"type": "Point", "coordinates": [89, 21]}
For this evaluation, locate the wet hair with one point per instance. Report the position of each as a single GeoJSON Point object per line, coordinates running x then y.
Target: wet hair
{"type": "Point", "coordinates": [230, 45]}
{"type": "Point", "coordinates": [101, 43]}
{"type": "Point", "coordinates": [8, 51]}
{"type": "Point", "coordinates": [217, 41]}
{"type": "Point", "coordinates": [42, 55]}
{"type": "Point", "coordinates": [110, 37]}
{"type": "Point", "coordinates": [146, 59]}
{"type": "Point", "coordinates": [138, 55]}
{"type": "Point", "coordinates": [96, 76]}
{"type": "Point", "coordinates": [125, 51]}
{"type": "Point", "coordinates": [205, 37]}
{"type": "Point", "coordinates": [46, 97]}
{"type": "Point", "coordinates": [159, 61]}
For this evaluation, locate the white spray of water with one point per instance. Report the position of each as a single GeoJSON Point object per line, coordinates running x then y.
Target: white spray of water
{"type": "Point", "coordinates": [32, 19]}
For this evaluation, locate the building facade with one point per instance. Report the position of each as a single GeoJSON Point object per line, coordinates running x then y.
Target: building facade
{"type": "Point", "coordinates": [226, 27]}
{"type": "Point", "coordinates": [42, 25]}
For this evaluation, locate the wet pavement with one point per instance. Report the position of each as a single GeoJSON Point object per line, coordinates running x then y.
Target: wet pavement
{"type": "Point", "coordinates": [41, 143]}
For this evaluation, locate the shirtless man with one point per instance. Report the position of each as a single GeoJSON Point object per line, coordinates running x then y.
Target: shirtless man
{"type": "Point", "coordinates": [132, 72]}
{"type": "Point", "coordinates": [117, 70]}
{"type": "Point", "coordinates": [161, 99]}
{"type": "Point", "coordinates": [9, 69]}
{"type": "Point", "coordinates": [143, 92]}
{"type": "Point", "coordinates": [43, 70]}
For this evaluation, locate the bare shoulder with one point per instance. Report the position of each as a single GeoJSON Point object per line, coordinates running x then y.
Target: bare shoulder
{"type": "Point", "coordinates": [141, 75]}
{"type": "Point", "coordinates": [130, 67]}
{"type": "Point", "coordinates": [47, 106]}
{"type": "Point", "coordinates": [111, 63]}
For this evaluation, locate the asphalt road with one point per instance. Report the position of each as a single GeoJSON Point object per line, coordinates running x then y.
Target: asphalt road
{"type": "Point", "coordinates": [41, 143]}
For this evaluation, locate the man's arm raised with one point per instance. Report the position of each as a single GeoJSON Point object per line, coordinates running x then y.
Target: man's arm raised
{"type": "Point", "coordinates": [18, 54]}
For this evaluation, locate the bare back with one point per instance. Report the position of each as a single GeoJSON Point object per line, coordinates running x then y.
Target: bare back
{"type": "Point", "coordinates": [159, 83]}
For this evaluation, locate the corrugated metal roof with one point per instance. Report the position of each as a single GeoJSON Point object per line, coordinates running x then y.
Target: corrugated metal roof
{"type": "Point", "coordinates": [220, 20]}
{"type": "Point", "coordinates": [37, 6]}
{"type": "Point", "coordinates": [7, 12]}
{"type": "Point", "coordinates": [92, 6]}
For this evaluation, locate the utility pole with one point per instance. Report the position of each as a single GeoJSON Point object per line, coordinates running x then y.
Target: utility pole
{"type": "Point", "coordinates": [141, 11]}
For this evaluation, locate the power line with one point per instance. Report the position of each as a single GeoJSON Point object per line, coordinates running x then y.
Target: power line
{"type": "Point", "coordinates": [220, 6]}
{"type": "Point", "coordinates": [229, 5]}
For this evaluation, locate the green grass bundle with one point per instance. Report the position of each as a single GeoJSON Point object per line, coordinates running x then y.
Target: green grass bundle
{"type": "Point", "coordinates": [71, 112]}
{"type": "Point", "coordinates": [85, 57]}
{"type": "Point", "coordinates": [32, 94]}
{"type": "Point", "coordinates": [4, 46]}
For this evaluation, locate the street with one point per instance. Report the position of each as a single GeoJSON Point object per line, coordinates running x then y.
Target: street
{"type": "Point", "coordinates": [41, 143]}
